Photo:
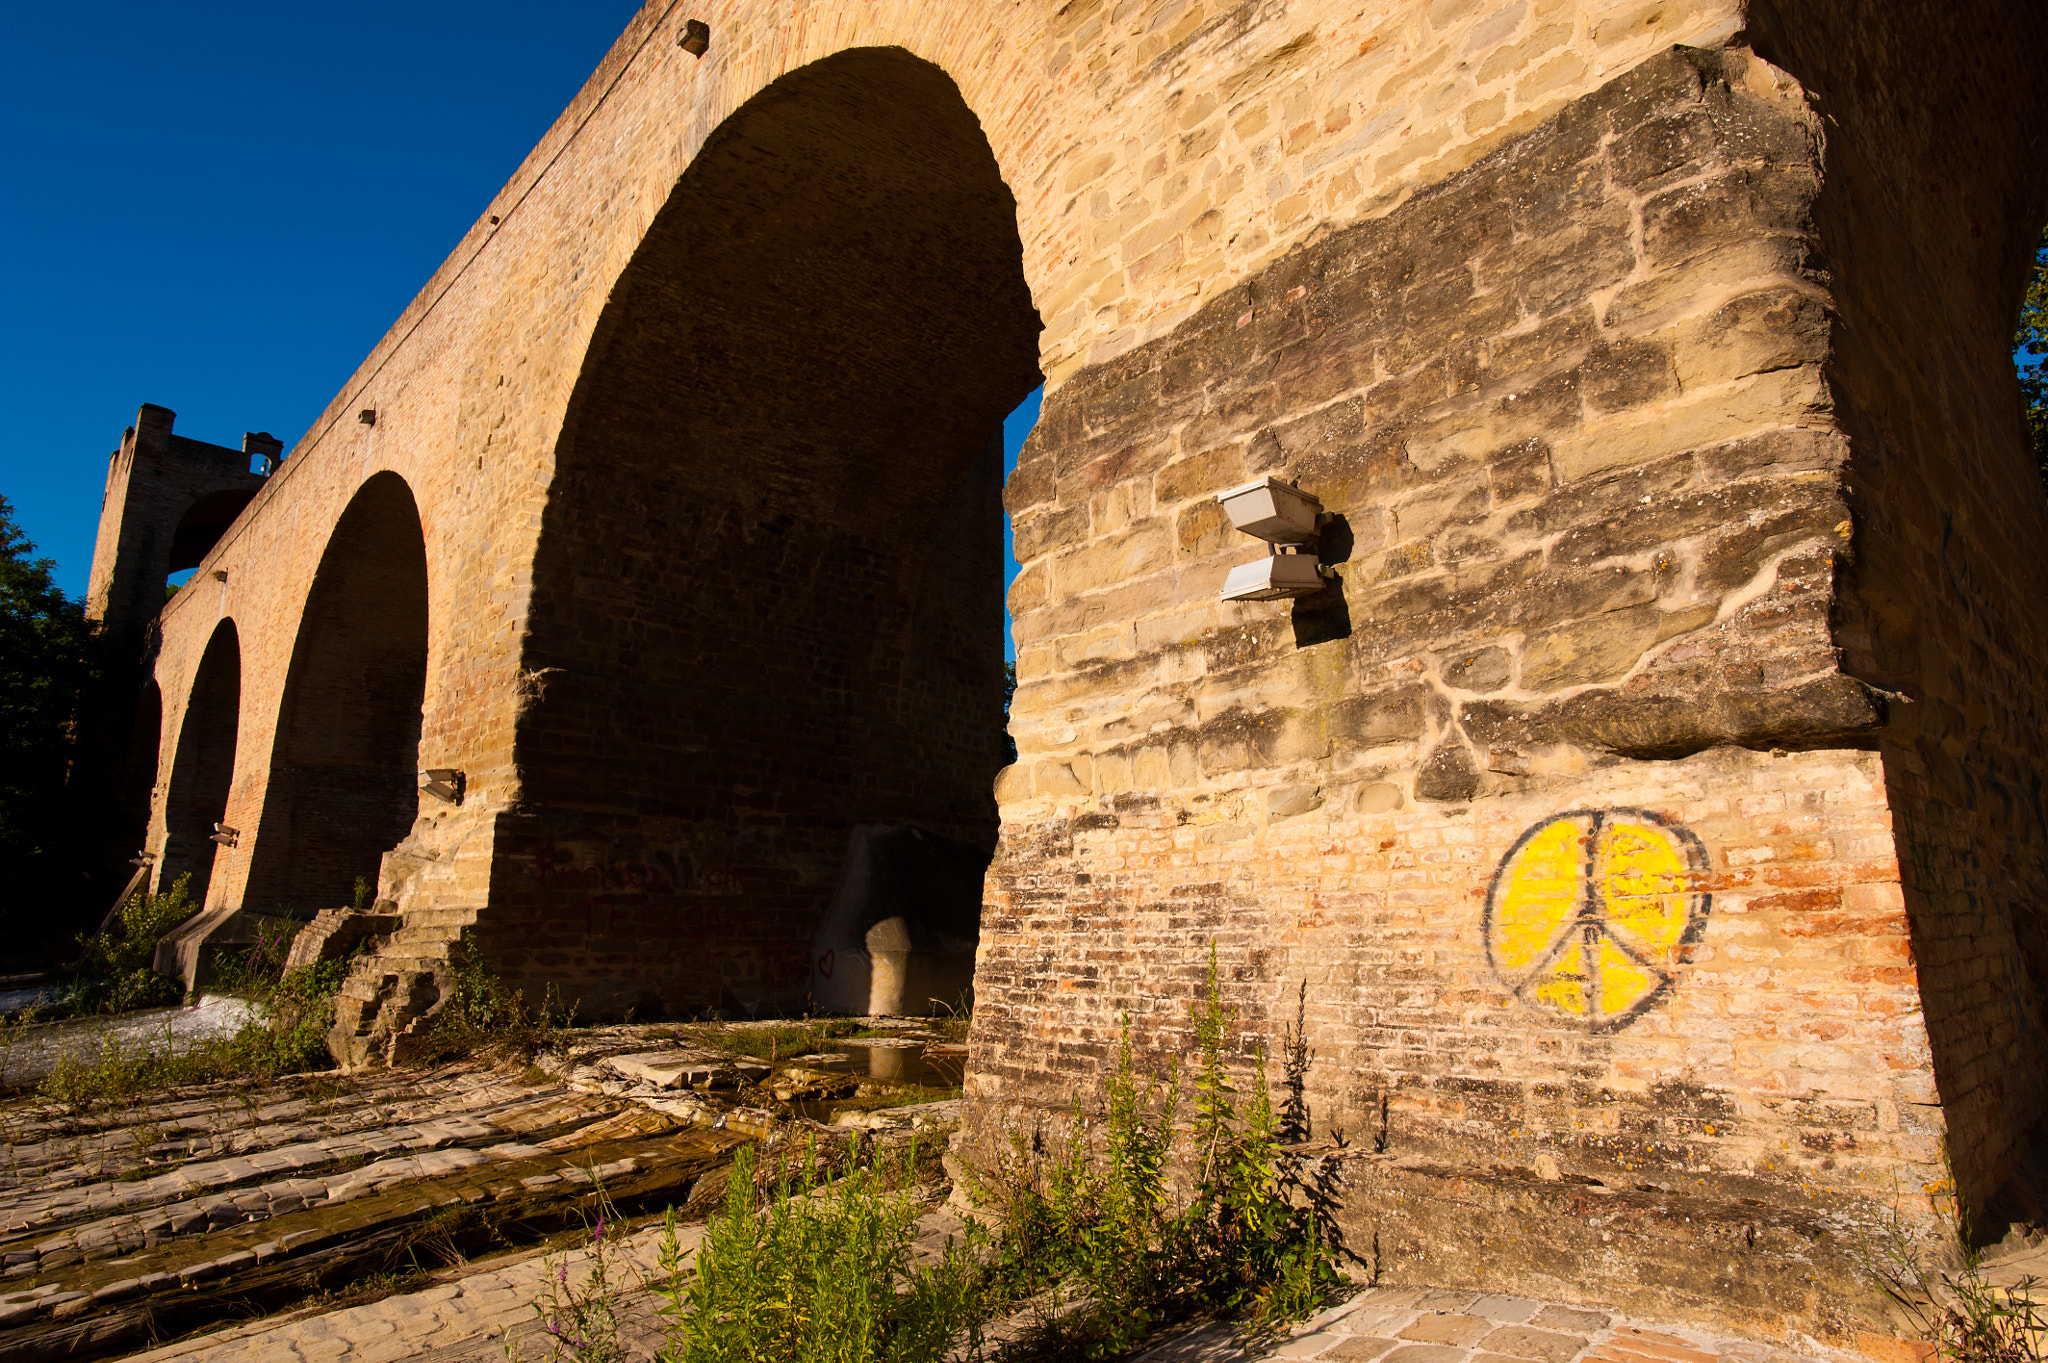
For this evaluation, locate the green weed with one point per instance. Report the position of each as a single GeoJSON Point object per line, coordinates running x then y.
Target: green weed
{"type": "Point", "coordinates": [820, 1274]}
{"type": "Point", "coordinates": [289, 1036]}
{"type": "Point", "coordinates": [1244, 1241]}
{"type": "Point", "coordinates": [776, 1041]}
{"type": "Point", "coordinates": [483, 1016]}
{"type": "Point", "coordinates": [113, 972]}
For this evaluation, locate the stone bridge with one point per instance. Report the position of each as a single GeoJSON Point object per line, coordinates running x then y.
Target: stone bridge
{"type": "Point", "coordinates": [1644, 819]}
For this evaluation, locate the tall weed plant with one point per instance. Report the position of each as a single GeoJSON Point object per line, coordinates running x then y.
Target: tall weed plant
{"type": "Point", "coordinates": [485, 1016]}
{"type": "Point", "coordinates": [1237, 1234]}
{"type": "Point", "coordinates": [819, 1272]}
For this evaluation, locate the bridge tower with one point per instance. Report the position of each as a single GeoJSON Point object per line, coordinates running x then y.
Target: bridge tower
{"type": "Point", "coordinates": [169, 499]}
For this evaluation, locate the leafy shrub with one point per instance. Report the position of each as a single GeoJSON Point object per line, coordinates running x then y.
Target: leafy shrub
{"type": "Point", "coordinates": [289, 1036]}
{"type": "Point", "coordinates": [482, 1016]}
{"type": "Point", "coordinates": [114, 974]}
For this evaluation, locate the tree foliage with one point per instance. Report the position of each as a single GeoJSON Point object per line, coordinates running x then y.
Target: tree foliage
{"type": "Point", "coordinates": [2030, 353]}
{"type": "Point", "coordinates": [46, 662]}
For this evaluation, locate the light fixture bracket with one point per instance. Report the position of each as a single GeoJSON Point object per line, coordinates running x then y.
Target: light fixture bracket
{"type": "Point", "coordinates": [443, 783]}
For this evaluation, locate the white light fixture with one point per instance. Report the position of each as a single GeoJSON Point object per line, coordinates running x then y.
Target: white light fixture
{"type": "Point", "coordinates": [225, 836]}
{"type": "Point", "coordinates": [1274, 577]}
{"type": "Point", "coordinates": [443, 783]}
{"type": "Point", "coordinates": [1285, 517]}
{"type": "Point", "coordinates": [1275, 512]}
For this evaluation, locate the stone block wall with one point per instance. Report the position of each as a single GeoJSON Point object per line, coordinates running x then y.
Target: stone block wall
{"type": "Point", "coordinates": [1569, 411]}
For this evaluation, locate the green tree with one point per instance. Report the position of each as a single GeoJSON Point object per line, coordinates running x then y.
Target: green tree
{"type": "Point", "coordinates": [1009, 694]}
{"type": "Point", "coordinates": [2030, 353]}
{"type": "Point", "coordinates": [46, 662]}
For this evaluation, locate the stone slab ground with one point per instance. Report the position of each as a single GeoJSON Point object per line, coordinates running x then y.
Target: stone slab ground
{"type": "Point", "coordinates": [317, 1195]}
{"type": "Point", "coordinates": [421, 1213]}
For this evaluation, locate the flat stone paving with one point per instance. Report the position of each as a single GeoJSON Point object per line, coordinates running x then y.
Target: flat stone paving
{"type": "Point", "coordinates": [127, 1223]}
{"type": "Point", "coordinates": [121, 1225]}
{"type": "Point", "coordinates": [1437, 1325]}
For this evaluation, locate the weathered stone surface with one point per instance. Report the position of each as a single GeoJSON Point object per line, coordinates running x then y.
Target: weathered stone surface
{"type": "Point", "coordinates": [1448, 775]}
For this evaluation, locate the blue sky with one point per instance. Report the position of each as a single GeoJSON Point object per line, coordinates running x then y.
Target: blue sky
{"type": "Point", "coordinates": [220, 208]}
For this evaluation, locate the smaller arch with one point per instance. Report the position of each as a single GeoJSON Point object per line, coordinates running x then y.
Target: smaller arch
{"type": "Point", "coordinates": [343, 788]}
{"type": "Point", "coordinates": [203, 768]}
{"type": "Point", "coordinates": [202, 525]}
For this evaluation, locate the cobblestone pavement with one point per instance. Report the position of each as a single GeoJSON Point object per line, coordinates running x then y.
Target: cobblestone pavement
{"type": "Point", "coordinates": [1437, 1325]}
{"type": "Point", "coordinates": [471, 1320]}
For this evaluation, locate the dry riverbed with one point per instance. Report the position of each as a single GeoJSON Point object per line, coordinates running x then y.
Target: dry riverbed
{"type": "Point", "coordinates": [132, 1224]}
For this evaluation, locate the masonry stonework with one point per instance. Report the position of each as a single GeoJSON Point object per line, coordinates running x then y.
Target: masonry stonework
{"type": "Point", "coordinates": [1646, 820]}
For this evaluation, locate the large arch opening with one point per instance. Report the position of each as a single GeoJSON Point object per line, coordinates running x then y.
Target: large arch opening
{"type": "Point", "coordinates": [767, 604]}
{"type": "Point", "coordinates": [203, 767]}
{"type": "Point", "coordinates": [343, 788]}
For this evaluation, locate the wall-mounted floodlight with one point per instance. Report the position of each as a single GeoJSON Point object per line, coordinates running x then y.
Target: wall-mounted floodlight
{"type": "Point", "coordinates": [443, 783]}
{"type": "Point", "coordinates": [1285, 517]}
{"type": "Point", "coordinates": [225, 836]}
{"type": "Point", "coordinates": [1276, 512]}
{"type": "Point", "coordinates": [1273, 577]}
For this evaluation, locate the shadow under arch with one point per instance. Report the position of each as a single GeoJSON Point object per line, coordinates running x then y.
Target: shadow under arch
{"type": "Point", "coordinates": [767, 599]}
{"type": "Point", "coordinates": [135, 782]}
{"type": "Point", "coordinates": [202, 525]}
{"type": "Point", "coordinates": [203, 766]}
{"type": "Point", "coordinates": [343, 788]}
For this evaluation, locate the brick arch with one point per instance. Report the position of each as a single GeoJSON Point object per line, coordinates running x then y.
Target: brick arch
{"type": "Point", "coordinates": [767, 595]}
{"type": "Point", "coordinates": [202, 525]}
{"type": "Point", "coordinates": [341, 788]}
{"type": "Point", "coordinates": [203, 764]}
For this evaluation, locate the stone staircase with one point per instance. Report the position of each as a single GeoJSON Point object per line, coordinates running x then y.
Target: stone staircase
{"type": "Point", "coordinates": [390, 997]}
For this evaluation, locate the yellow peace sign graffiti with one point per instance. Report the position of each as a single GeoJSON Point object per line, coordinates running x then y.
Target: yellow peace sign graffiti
{"type": "Point", "coordinates": [1588, 910]}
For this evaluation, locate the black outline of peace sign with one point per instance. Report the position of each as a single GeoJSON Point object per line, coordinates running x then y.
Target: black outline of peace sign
{"type": "Point", "coordinates": [1594, 920]}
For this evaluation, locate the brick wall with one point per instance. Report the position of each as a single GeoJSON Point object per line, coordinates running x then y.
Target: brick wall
{"type": "Point", "coordinates": [194, 787]}
{"type": "Point", "coordinates": [1578, 672]}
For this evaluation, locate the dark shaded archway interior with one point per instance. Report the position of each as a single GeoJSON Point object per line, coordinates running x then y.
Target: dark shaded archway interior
{"type": "Point", "coordinates": [136, 781]}
{"type": "Point", "coordinates": [202, 526]}
{"type": "Point", "coordinates": [343, 775]}
{"type": "Point", "coordinates": [767, 604]}
{"type": "Point", "coordinates": [204, 766]}
{"type": "Point", "coordinates": [1942, 605]}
